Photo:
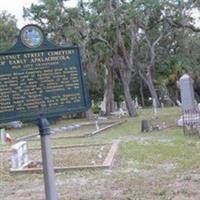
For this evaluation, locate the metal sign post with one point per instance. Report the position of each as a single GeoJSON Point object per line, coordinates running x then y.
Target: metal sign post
{"type": "Point", "coordinates": [47, 160]}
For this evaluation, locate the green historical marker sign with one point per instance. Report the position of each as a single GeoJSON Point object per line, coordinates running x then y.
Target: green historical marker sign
{"type": "Point", "coordinates": [40, 79]}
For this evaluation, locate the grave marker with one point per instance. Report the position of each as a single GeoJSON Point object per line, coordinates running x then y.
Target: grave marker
{"type": "Point", "coordinates": [97, 124]}
{"type": "Point", "coordinates": [136, 103]}
{"type": "Point", "coordinates": [191, 114]}
{"type": "Point", "coordinates": [155, 107]}
{"type": "Point", "coordinates": [3, 136]}
{"type": "Point", "coordinates": [123, 106]}
{"type": "Point", "coordinates": [19, 157]}
{"type": "Point", "coordinates": [187, 93]}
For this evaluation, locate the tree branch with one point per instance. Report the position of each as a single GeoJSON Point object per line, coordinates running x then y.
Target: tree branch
{"type": "Point", "coordinates": [104, 41]}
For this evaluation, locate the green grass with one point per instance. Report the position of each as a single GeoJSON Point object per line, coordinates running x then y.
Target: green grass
{"type": "Point", "coordinates": [131, 128]}
{"type": "Point", "coordinates": [145, 152]}
{"type": "Point", "coordinates": [179, 149]}
{"type": "Point", "coordinates": [184, 156]}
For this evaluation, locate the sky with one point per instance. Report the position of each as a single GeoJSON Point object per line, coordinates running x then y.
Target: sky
{"type": "Point", "coordinates": [15, 7]}
{"type": "Point", "coordinates": [196, 15]}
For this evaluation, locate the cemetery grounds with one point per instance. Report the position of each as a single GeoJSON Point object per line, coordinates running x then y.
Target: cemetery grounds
{"type": "Point", "coordinates": [157, 165]}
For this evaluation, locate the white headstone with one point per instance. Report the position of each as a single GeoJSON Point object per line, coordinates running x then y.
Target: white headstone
{"type": "Point", "coordinates": [123, 106]}
{"type": "Point", "coordinates": [179, 103]}
{"type": "Point", "coordinates": [198, 106]}
{"type": "Point", "coordinates": [187, 92]}
{"type": "Point", "coordinates": [3, 136]}
{"type": "Point", "coordinates": [122, 112]}
{"type": "Point", "coordinates": [154, 107]}
{"type": "Point", "coordinates": [97, 125]}
{"type": "Point", "coordinates": [19, 155]}
{"type": "Point", "coordinates": [136, 103]}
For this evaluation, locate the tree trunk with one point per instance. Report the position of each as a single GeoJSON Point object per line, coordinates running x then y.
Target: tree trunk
{"type": "Point", "coordinates": [108, 93]}
{"type": "Point", "coordinates": [127, 95]}
{"type": "Point", "coordinates": [152, 90]}
{"type": "Point", "coordinates": [154, 94]}
{"type": "Point", "coordinates": [148, 80]}
{"type": "Point", "coordinates": [141, 93]}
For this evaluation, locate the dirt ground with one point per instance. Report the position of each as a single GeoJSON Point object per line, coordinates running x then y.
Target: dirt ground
{"type": "Point", "coordinates": [124, 181]}
{"type": "Point", "coordinates": [113, 184]}
{"type": "Point", "coordinates": [144, 168]}
{"type": "Point", "coordinates": [76, 156]}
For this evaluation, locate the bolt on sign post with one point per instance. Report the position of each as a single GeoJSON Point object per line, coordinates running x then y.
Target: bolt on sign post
{"type": "Point", "coordinates": [40, 81]}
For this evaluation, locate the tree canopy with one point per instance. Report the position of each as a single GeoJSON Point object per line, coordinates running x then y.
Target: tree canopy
{"type": "Point", "coordinates": [8, 30]}
{"type": "Point", "coordinates": [130, 48]}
